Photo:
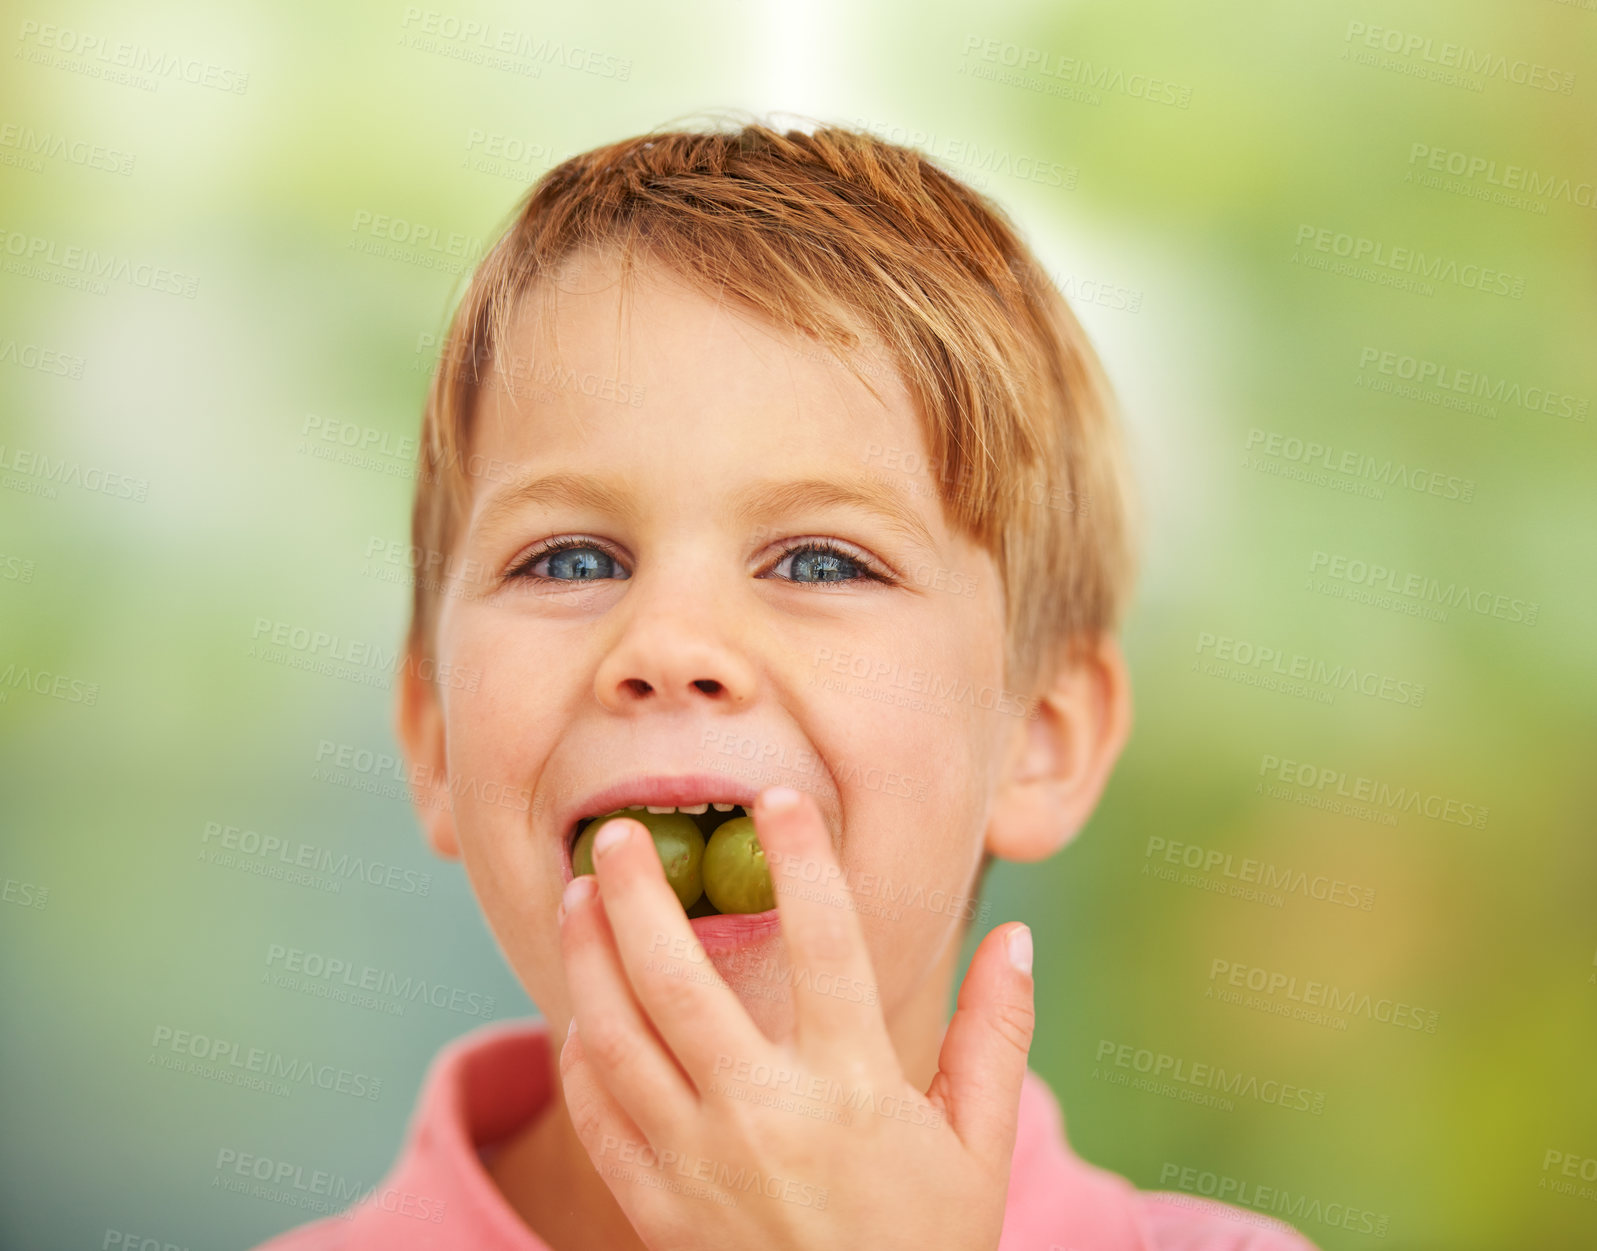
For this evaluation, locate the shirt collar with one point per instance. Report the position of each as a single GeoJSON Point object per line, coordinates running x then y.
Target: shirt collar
{"type": "Point", "coordinates": [484, 1086]}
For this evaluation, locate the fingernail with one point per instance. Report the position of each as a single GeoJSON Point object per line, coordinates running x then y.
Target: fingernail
{"type": "Point", "coordinates": [577, 890]}
{"type": "Point", "coordinates": [572, 1028]}
{"type": "Point", "coordinates": [778, 798]}
{"type": "Point", "coordinates": [610, 834]}
{"type": "Point", "coordinates": [1018, 945]}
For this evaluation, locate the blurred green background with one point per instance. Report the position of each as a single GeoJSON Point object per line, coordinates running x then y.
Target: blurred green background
{"type": "Point", "coordinates": [1175, 176]}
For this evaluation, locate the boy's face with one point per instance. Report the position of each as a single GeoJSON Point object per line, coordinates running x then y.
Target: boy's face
{"type": "Point", "coordinates": [703, 639]}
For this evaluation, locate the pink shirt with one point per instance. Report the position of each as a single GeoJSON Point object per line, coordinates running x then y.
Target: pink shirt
{"type": "Point", "coordinates": [483, 1087]}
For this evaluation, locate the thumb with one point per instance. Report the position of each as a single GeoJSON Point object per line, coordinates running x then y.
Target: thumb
{"type": "Point", "coordinates": [983, 1059]}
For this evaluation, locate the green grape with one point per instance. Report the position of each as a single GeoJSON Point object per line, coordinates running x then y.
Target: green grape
{"type": "Point", "coordinates": [735, 876]}
{"type": "Point", "coordinates": [677, 841]}
{"type": "Point", "coordinates": [704, 908]}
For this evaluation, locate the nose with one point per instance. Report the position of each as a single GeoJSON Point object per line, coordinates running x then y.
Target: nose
{"type": "Point", "coordinates": [673, 653]}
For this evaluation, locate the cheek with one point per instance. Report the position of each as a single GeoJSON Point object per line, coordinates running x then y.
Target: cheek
{"type": "Point", "coordinates": [515, 874]}
{"type": "Point", "coordinates": [497, 737]}
{"type": "Point", "coordinates": [499, 730]}
{"type": "Point", "coordinates": [909, 747]}
{"type": "Point", "coordinates": [910, 738]}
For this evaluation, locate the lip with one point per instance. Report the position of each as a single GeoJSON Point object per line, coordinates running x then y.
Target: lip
{"type": "Point", "coordinates": [657, 789]}
{"type": "Point", "coordinates": [730, 931]}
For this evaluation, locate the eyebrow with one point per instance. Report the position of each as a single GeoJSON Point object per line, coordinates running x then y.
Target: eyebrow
{"type": "Point", "coordinates": [764, 498]}
{"type": "Point", "coordinates": [869, 495]}
{"type": "Point", "coordinates": [573, 490]}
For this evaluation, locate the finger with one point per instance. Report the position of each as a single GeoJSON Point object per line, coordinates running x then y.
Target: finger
{"type": "Point", "coordinates": [982, 1063]}
{"type": "Point", "coordinates": [623, 1048]}
{"type": "Point", "coordinates": [611, 1138]}
{"type": "Point", "coordinates": [695, 1012]}
{"type": "Point", "coordinates": [835, 1001]}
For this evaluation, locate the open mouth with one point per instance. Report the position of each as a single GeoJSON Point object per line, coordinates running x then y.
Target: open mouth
{"type": "Point", "coordinates": [673, 840]}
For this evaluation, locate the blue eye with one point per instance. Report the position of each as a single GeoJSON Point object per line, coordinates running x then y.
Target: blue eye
{"type": "Point", "coordinates": [575, 559]}
{"type": "Point", "coordinates": [821, 562]}
{"type": "Point", "coordinates": [580, 564]}
{"type": "Point", "coordinates": [570, 560]}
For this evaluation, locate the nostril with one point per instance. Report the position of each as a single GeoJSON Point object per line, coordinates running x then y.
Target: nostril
{"type": "Point", "coordinates": [708, 685]}
{"type": "Point", "coordinates": [638, 686]}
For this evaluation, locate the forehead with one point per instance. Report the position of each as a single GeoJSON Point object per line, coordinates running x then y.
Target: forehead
{"type": "Point", "coordinates": [646, 363]}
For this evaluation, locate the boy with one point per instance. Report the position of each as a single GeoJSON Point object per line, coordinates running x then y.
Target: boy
{"type": "Point", "coordinates": [762, 458]}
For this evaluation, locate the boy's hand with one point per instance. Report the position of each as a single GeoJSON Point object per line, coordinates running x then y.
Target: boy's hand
{"type": "Point", "coordinates": [712, 1136]}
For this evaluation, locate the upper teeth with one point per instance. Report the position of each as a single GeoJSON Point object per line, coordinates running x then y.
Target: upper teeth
{"type": "Point", "coordinates": [693, 809]}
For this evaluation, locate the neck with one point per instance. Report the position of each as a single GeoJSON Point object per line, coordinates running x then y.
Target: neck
{"type": "Point", "coordinates": [547, 1177]}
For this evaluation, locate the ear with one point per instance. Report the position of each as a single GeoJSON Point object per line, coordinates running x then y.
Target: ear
{"type": "Point", "coordinates": [419, 724]}
{"type": "Point", "coordinates": [1060, 760]}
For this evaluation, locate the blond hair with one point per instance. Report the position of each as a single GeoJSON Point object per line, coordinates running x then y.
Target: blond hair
{"type": "Point", "coordinates": [831, 232]}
